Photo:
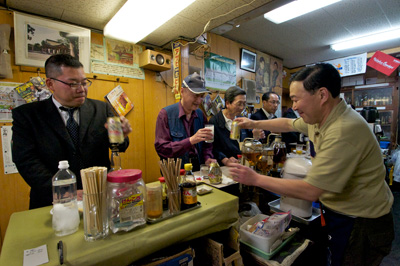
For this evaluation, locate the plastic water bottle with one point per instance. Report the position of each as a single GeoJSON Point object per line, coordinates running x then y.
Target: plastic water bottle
{"type": "Point", "coordinates": [65, 205]}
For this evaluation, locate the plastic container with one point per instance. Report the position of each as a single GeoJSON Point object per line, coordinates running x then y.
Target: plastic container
{"type": "Point", "coordinates": [296, 168]}
{"type": "Point", "coordinates": [65, 205]}
{"type": "Point", "coordinates": [125, 196]}
{"type": "Point", "coordinates": [259, 242]}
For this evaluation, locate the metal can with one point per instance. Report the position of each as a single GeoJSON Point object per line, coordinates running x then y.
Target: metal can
{"type": "Point", "coordinates": [115, 133]}
{"type": "Point", "coordinates": [235, 131]}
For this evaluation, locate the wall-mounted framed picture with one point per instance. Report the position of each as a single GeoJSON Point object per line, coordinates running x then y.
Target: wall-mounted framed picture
{"type": "Point", "coordinates": [36, 39]}
{"type": "Point", "coordinates": [248, 60]}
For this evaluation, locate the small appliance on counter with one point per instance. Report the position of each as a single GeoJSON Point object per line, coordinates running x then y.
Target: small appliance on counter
{"type": "Point", "coordinates": [371, 115]}
{"type": "Point", "coordinates": [296, 168]}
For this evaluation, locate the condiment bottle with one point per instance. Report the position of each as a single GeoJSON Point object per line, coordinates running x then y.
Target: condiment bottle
{"type": "Point", "coordinates": [189, 189]}
{"type": "Point", "coordinates": [65, 205]}
{"type": "Point", "coordinates": [215, 174]}
{"type": "Point", "coordinates": [164, 192]}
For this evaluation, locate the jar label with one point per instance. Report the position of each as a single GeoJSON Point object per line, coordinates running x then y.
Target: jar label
{"type": "Point", "coordinates": [189, 195]}
{"type": "Point", "coordinates": [131, 208]}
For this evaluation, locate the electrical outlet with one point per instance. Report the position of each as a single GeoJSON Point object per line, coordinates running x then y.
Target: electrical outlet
{"type": "Point", "coordinates": [158, 77]}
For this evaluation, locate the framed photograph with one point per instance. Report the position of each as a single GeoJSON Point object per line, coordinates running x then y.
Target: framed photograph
{"type": "Point", "coordinates": [248, 60]}
{"type": "Point", "coordinates": [36, 39]}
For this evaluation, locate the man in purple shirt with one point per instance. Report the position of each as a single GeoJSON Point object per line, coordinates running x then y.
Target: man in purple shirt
{"type": "Point", "coordinates": [180, 131]}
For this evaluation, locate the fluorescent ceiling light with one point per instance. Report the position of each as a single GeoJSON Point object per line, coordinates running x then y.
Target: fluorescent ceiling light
{"type": "Point", "coordinates": [296, 9]}
{"type": "Point", "coordinates": [137, 19]}
{"type": "Point", "coordinates": [374, 38]}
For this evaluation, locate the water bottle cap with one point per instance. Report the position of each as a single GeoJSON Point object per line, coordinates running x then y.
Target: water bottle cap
{"type": "Point", "coordinates": [124, 175]}
{"type": "Point", "coordinates": [63, 165]}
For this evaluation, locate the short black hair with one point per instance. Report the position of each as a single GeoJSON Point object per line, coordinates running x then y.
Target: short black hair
{"type": "Point", "coordinates": [318, 76]}
{"type": "Point", "coordinates": [266, 95]}
{"type": "Point", "coordinates": [55, 62]}
{"type": "Point", "coordinates": [232, 92]}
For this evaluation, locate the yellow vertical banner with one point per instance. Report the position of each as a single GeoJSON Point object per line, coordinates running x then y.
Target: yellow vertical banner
{"type": "Point", "coordinates": [177, 69]}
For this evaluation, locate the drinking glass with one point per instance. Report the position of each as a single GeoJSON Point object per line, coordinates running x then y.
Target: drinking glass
{"type": "Point", "coordinates": [210, 126]}
{"type": "Point", "coordinates": [95, 217]}
{"type": "Point", "coordinates": [204, 170]}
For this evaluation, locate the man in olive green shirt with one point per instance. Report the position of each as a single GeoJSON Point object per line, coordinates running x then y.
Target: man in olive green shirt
{"type": "Point", "coordinates": [347, 174]}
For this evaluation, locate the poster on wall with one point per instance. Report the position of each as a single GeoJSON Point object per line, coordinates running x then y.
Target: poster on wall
{"type": "Point", "coordinates": [116, 58]}
{"type": "Point", "coordinates": [9, 99]}
{"type": "Point", "coordinates": [351, 65]}
{"type": "Point", "coordinates": [269, 73]}
{"type": "Point", "coordinates": [9, 166]}
{"type": "Point", "coordinates": [276, 69]}
{"type": "Point", "coordinates": [36, 39]}
{"type": "Point", "coordinates": [220, 72]}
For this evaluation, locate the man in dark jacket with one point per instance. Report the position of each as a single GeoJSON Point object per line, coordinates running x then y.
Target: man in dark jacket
{"type": "Point", "coordinates": [41, 138]}
{"type": "Point", "coordinates": [270, 101]}
{"type": "Point", "coordinates": [225, 149]}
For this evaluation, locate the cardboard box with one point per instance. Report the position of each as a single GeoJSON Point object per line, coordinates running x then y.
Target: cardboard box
{"type": "Point", "coordinates": [167, 257]}
{"type": "Point", "coordinates": [219, 249]}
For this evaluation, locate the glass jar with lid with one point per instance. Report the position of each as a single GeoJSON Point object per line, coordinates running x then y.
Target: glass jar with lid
{"type": "Point", "coordinates": [125, 195]}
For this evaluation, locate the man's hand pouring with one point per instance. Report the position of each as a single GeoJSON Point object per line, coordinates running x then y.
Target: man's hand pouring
{"type": "Point", "coordinates": [243, 174]}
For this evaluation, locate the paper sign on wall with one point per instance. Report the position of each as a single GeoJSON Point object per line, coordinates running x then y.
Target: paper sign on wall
{"type": "Point", "coordinates": [383, 63]}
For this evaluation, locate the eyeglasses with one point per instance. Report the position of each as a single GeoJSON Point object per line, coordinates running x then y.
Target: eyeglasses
{"type": "Point", "coordinates": [275, 102]}
{"type": "Point", "coordinates": [74, 85]}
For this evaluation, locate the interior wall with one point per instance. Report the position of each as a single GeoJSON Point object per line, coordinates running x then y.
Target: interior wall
{"type": "Point", "coordinates": [148, 97]}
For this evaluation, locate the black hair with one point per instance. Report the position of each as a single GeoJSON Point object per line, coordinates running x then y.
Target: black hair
{"type": "Point", "coordinates": [232, 92]}
{"type": "Point", "coordinates": [318, 76]}
{"type": "Point", "coordinates": [55, 62]}
{"type": "Point", "coordinates": [266, 95]}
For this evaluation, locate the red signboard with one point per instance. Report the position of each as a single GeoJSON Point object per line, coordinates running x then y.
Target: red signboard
{"type": "Point", "coordinates": [383, 63]}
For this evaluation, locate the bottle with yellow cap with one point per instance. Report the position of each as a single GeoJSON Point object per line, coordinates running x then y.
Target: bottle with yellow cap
{"type": "Point", "coordinates": [189, 189]}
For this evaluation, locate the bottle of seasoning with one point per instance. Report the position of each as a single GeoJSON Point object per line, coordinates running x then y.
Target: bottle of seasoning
{"type": "Point", "coordinates": [189, 189]}
{"type": "Point", "coordinates": [215, 174]}
{"type": "Point", "coordinates": [164, 192]}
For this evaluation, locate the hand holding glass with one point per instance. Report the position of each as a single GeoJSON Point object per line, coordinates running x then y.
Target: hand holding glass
{"type": "Point", "coordinates": [210, 126]}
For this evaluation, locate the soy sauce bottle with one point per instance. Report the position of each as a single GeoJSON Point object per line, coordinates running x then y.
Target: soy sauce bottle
{"type": "Point", "coordinates": [189, 189]}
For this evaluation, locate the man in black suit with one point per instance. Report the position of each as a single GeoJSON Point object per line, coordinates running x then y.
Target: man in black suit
{"type": "Point", "coordinates": [290, 137]}
{"type": "Point", "coordinates": [40, 136]}
{"type": "Point", "coordinates": [270, 101]}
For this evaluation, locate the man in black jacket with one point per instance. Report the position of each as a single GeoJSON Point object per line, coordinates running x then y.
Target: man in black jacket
{"type": "Point", "coordinates": [270, 101]}
{"type": "Point", "coordinates": [225, 149]}
{"type": "Point", "coordinates": [40, 136]}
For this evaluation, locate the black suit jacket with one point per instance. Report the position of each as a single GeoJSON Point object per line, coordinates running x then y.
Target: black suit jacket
{"type": "Point", "coordinates": [40, 140]}
{"type": "Point", "coordinates": [223, 145]}
{"type": "Point", "coordinates": [260, 115]}
{"type": "Point", "coordinates": [290, 137]}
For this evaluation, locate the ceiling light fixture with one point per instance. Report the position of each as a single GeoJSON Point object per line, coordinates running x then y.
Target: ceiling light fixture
{"type": "Point", "coordinates": [296, 9]}
{"type": "Point", "coordinates": [365, 40]}
{"type": "Point", "coordinates": [137, 19]}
